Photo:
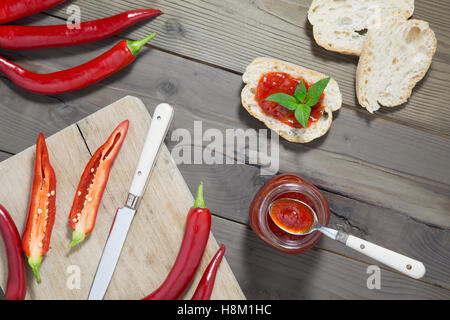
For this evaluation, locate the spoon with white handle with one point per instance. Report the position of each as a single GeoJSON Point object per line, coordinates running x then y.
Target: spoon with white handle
{"type": "Point", "coordinates": [410, 267]}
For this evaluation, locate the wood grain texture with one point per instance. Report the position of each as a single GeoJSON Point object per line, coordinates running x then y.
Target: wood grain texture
{"type": "Point", "coordinates": [231, 190]}
{"type": "Point", "coordinates": [315, 274]}
{"type": "Point", "coordinates": [231, 33]}
{"type": "Point", "coordinates": [401, 163]}
{"type": "Point", "coordinates": [149, 252]}
{"type": "Point", "coordinates": [376, 161]}
{"type": "Point", "coordinates": [4, 155]}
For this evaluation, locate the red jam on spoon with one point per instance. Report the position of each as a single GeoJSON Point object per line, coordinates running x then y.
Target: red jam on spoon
{"type": "Point", "coordinates": [292, 216]}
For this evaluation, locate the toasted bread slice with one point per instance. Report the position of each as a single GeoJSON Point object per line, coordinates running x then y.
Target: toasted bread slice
{"type": "Point", "coordinates": [332, 99]}
{"type": "Point", "coordinates": [397, 54]}
{"type": "Point", "coordinates": [341, 25]}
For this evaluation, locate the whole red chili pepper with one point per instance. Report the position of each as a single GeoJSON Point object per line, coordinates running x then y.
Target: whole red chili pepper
{"type": "Point", "coordinates": [42, 211]}
{"type": "Point", "coordinates": [17, 281]}
{"type": "Point", "coordinates": [36, 37]}
{"type": "Point", "coordinates": [198, 226]}
{"type": "Point", "coordinates": [79, 77]}
{"type": "Point", "coordinates": [11, 10]}
{"type": "Point", "coordinates": [92, 184]}
{"type": "Point", "coordinates": [206, 284]}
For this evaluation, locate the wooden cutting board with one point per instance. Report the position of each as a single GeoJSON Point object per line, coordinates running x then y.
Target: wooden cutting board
{"type": "Point", "coordinates": [155, 234]}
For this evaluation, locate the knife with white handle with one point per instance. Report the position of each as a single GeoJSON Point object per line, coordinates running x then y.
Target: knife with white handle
{"type": "Point", "coordinates": [158, 129]}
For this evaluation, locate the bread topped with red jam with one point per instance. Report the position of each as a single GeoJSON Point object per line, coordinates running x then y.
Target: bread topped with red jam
{"type": "Point", "coordinates": [266, 77]}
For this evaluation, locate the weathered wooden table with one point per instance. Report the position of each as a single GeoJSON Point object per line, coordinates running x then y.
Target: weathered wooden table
{"type": "Point", "coordinates": [387, 176]}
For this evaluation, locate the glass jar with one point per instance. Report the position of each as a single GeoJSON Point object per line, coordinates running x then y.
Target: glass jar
{"type": "Point", "coordinates": [293, 187]}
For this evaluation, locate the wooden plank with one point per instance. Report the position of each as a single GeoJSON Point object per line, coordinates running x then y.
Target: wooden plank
{"type": "Point", "coordinates": [231, 33]}
{"type": "Point", "coordinates": [354, 134]}
{"type": "Point", "coordinates": [157, 83]}
{"type": "Point", "coordinates": [4, 155]}
{"type": "Point", "coordinates": [154, 238]}
{"type": "Point", "coordinates": [230, 190]}
{"type": "Point", "coordinates": [398, 147]}
{"type": "Point", "coordinates": [315, 274]}
{"type": "Point", "coordinates": [302, 277]}
{"type": "Point", "coordinates": [341, 162]}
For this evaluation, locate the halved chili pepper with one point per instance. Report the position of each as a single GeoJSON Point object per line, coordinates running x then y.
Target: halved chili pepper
{"type": "Point", "coordinates": [79, 77]}
{"type": "Point", "coordinates": [42, 211]}
{"type": "Point", "coordinates": [92, 185]}
{"type": "Point", "coordinates": [37, 37]}
{"type": "Point", "coordinates": [11, 10]}
{"type": "Point", "coordinates": [198, 226]}
{"type": "Point", "coordinates": [206, 284]}
{"type": "Point", "coordinates": [16, 287]}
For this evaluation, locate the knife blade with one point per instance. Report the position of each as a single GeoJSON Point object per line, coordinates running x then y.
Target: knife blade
{"type": "Point", "coordinates": [161, 120]}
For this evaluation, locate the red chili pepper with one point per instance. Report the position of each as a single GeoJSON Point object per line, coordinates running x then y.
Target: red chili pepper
{"type": "Point", "coordinates": [198, 226]}
{"type": "Point", "coordinates": [11, 10]}
{"type": "Point", "coordinates": [92, 184]}
{"type": "Point", "coordinates": [17, 280]}
{"type": "Point", "coordinates": [37, 37]}
{"type": "Point", "coordinates": [79, 77]}
{"type": "Point", "coordinates": [206, 284]}
{"type": "Point", "coordinates": [41, 215]}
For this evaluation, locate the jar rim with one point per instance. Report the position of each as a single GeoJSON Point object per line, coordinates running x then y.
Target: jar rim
{"type": "Point", "coordinates": [294, 244]}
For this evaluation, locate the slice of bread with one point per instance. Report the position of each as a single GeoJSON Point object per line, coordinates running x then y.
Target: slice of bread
{"type": "Point", "coordinates": [396, 55]}
{"type": "Point", "coordinates": [341, 25]}
{"type": "Point", "coordinates": [332, 99]}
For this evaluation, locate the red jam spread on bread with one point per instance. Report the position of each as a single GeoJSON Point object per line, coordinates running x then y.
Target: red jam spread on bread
{"type": "Point", "coordinates": [276, 82]}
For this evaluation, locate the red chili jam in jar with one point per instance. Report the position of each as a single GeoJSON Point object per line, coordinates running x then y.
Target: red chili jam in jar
{"type": "Point", "coordinates": [287, 186]}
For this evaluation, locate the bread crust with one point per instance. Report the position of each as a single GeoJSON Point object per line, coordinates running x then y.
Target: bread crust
{"type": "Point", "coordinates": [408, 9]}
{"type": "Point", "coordinates": [363, 61]}
{"type": "Point", "coordinates": [299, 135]}
{"type": "Point", "coordinates": [334, 49]}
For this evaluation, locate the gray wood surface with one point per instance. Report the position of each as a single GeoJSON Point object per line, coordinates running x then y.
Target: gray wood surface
{"type": "Point", "coordinates": [231, 33]}
{"type": "Point", "coordinates": [264, 273]}
{"type": "Point", "coordinates": [386, 227]}
{"type": "Point", "coordinates": [387, 177]}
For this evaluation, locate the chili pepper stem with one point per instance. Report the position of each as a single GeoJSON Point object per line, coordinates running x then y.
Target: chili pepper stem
{"type": "Point", "coordinates": [199, 202]}
{"type": "Point", "coordinates": [35, 263]}
{"type": "Point", "coordinates": [136, 46]}
{"type": "Point", "coordinates": [77, 237]}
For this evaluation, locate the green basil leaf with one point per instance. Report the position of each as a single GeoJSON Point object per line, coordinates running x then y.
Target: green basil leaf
{"type": "Point", "coordinates": [285, 100]}
{"type": "Point", "coordinates": [315, 91]}
{"type": "Point", "coordinates": [302, 114]}
{"type": "Point", "coordinates": [300, 92]}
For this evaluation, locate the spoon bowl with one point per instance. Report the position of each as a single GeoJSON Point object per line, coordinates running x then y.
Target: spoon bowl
{"type": "Point", "coordinates": [315, 226]}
